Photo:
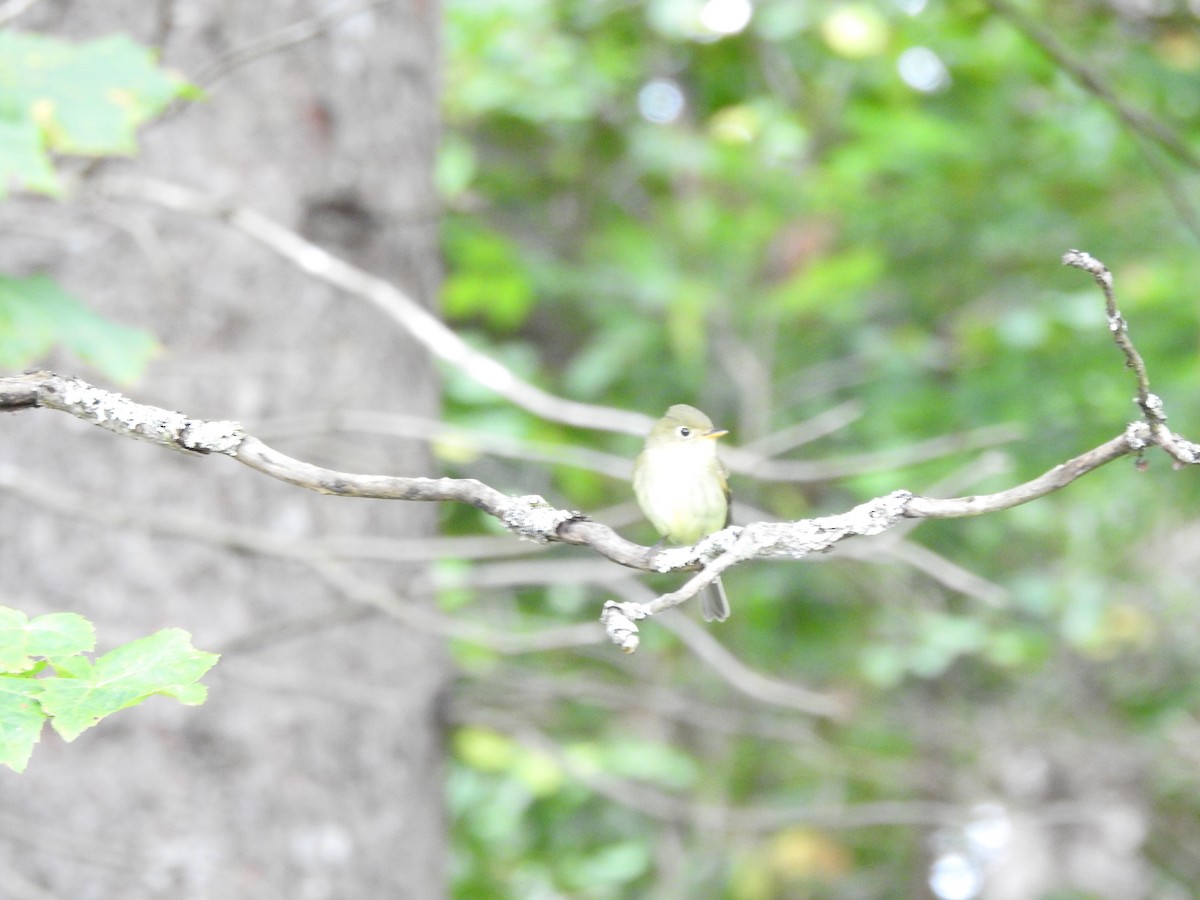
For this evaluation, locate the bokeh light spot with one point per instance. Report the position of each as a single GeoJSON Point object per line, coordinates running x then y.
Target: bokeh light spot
{"type": "Point", "coordinates": [855, 31]}
{"type": "Point", "coordinates": [726, 16]}
{"type": "Point", "coordinates": [923, 70]}
{"type": "Point", "coordinates": [661, 100]}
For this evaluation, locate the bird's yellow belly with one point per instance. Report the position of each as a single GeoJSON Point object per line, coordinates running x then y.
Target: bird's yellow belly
{"type": "Point", "coordinates": [681, 502]}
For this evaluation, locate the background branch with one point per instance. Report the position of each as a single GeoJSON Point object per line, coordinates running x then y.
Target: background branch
{"type": "Point", "coordinates": [1136, 119]}
{"type": "Point", "coordinates": [433, 334]}
{"type": "Point", "coordinates": [14, 8]}
{"type": "Point", "coordinates": [754, 460]}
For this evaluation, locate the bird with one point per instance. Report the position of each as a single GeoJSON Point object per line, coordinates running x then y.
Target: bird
{"type": "Point", "coordinates": [682, 487]}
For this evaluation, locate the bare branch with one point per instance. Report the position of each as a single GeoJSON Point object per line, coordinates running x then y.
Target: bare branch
{"type": "Point", "coordinates": [755, 460]}
{"type": "Point", "coordinates": [110, 410]}
{"type": "Point", "coordinates": [1077, 259]}
{"type": "Point", "coordinates": [529, 517]}
{"type": "Point", "coordinates": [532, 518]}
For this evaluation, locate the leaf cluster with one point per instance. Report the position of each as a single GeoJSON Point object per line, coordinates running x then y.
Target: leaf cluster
{"type": "Point", "coordinates": [45, 676]}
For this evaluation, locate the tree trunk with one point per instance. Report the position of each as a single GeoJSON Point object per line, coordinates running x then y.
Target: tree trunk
{"type": "Point", "coordinates": [314, 768]}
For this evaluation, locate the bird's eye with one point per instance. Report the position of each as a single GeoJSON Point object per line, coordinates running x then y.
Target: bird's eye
{"type": "Point", "coordinates": [684, 431]}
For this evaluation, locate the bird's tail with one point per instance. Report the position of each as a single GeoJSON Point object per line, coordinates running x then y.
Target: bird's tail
{"type": "Point", "coordinates": [714, 605]}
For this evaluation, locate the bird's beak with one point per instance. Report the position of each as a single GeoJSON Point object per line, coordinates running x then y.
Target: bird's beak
{"type": "Point", "coordinates": [716, 433]}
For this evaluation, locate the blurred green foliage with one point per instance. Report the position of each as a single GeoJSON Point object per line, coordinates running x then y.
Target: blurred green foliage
{"type": "Point", "coordinates": [839, 201]}
{"type": "Point", "coordinates": [83, 99]}
{"type": "Point", "coordinates": [37, 315]}
{"type": "Point", "coordinates": [63, 99]}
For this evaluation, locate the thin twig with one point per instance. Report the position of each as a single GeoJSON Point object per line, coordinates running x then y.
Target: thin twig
{"type": "Point", "coordinates": [449, 439]}
{"type": "Point", "coordinates": [531, 517]}
{"type": "Point", "coordinates": [1149, 132]}
{"type": "Point", "coordinates": [943, 571]}
{"type": "Point", "coordinates": [517, 689]}
{"type": "Point", "coordinates": [1077, 259]}
{"type": "Point", "coordinates": [416, 615]}
{"type": "Point", "coordinates": [422, 549]}
{"type": "Point", "coordinates": [1151, 405]}
{"type": "Point", "coordinates": [282, 39]}
{"type": "Point", "coordinates": [646, 798]}
{"type": "Point", "coordinates": [1056, 479]}
{"type": "Point", "coordinates": [1172, 186]}
{"type": "Point", "coordinates": [755, 460]}
{"type": "Point", "coordinates": [821, 425]}
{"type": "Point", "coordinates": [403, 309]}
{"type": "Point", "coordinates": [1136, 119]}
{"type": "Point", "coordinates": [759, 687]}
{"type": "Point", "coordinates": [807, 471]}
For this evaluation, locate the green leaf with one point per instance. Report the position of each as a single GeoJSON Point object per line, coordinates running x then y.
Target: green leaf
{"type": "Point", "coordinates": [163, 663]}
{"type": "Point", "coordinates": [81, 693]}
{"type": "Point", "coordinates": [23, 159]}
{"type": "Point", "coordinates": [56, 634]}
{"type": "Point", "coordinates": [21, 721]}
{"type": "Point", "coordinates": [84, 99]}
{"type": "Point", "coordinates": [36, 314]}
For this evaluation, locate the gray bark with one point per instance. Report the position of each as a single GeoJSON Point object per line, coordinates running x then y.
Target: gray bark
{"type": "Point", "coordinates": [314, 768]}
